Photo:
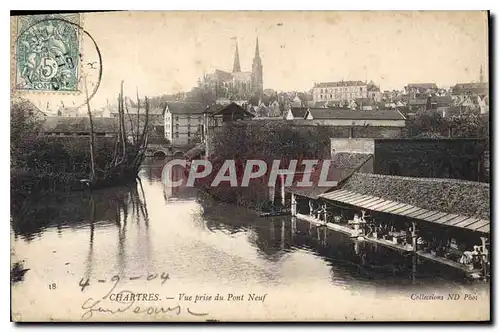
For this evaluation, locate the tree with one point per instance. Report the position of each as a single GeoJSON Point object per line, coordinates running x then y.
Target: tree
{"type": "Point", "coordinates": [428, 123]}
{"type": "Point", "coordinates": [469, 125]}
{"type": "Point", "coordinates": [24, 128]}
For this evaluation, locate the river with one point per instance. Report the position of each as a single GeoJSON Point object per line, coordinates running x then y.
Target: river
{"type": "Point", "coordinates": [78, 246]}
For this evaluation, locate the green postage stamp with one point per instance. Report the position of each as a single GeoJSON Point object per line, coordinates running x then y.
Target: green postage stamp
{"type": "Point", "coordinates": [47, 53]}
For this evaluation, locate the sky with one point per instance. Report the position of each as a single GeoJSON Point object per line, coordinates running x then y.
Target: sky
{"type": "Point", "coordinates": [166, 52]}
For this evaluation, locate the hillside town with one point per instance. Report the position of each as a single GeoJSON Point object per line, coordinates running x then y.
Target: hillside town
{"type": "Point", "coordinates": [330, 99]}
{"type": "Point", "coordinates": [269, 161]}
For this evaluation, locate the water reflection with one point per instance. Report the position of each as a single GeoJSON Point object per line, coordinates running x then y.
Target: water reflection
{"type": "Point", "coordinates": [146, 225]}
{"type": "Point", "coordinates": [80, 209]}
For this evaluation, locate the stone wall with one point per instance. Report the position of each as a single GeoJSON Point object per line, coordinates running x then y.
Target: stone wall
{"type": "Point", "coordinates": [352, 145]}
{"type": "Point", "coordinates": [378, 132]}
{"type": "Point", "coordinates": [357, 131]}
{"type": "Point", "coordinates": [431, 158]}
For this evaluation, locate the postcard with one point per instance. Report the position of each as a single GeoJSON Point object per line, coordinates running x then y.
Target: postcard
{"type": "Point", "coordinates": [250, 166]}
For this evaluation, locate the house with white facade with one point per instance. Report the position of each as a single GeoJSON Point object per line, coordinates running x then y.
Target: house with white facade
{"type": "Point", "coordinates": [346, 117]}
{"type": "Point", "coordinates": [296, 113]}
{"type": "Point", "coordinates": [183, 122]}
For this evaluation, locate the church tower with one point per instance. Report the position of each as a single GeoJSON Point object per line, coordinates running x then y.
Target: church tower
{"type": "Point", "coordinates": [257, 81]}
{"type": "Point", "coordinates": [236, 64]}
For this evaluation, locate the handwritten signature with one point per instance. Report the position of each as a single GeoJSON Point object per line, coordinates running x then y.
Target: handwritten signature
{"type": "Point", "coordinates": [91, 306]}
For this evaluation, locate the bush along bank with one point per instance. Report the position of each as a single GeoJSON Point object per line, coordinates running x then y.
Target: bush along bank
{"type": "Point", "coordinates": [48, 164]}
{"type": "Point", "coordinates": [267, 141]}
{"type": "Point", "coordinates": [51, 165]}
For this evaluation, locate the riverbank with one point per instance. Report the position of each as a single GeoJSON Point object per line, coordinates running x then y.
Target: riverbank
{"type": "Point", "coordinates": [45, 165]}
{"type": "Point", "coordinates": [265, 141]}
{"type": "Point", "coordinates": [229, 196]}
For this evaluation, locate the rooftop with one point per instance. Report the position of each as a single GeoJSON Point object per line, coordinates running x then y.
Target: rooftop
{"type": "Point", "coordinates": [441, 100]}
{"type": "Point", "coordinates": [142, 110]}
{"type": "Point", "coordinates": [220, 75]}
{"type": "Point", "coordinates": [27, 105]}
{"type": "Point", "coordinates": [342, 165]}
{"type": "Point", "coordinates": [460, 197]}
{"type": "Point", "coordinates": [298, 112]}
{"type": "Point", "coordinates": [417, 102]}
{"type": "Point", "coordinates": [422, 85]}
{"type": "Point", "coordinates": [61, 124]}
{"type": "Point", "coordinates": [365, 101]}
{"type": "Point", "coordinates": [346, 114]}
{"type": "Point", "coordinates": [320, 104]}
{"type": "Point", "coordinates": [347, 160]}
{"type": "Point", "coordinates": [479, 88]}
{"type": "Point", "coordinates": [334, 175]}
{"type": "Point", "coordinates": [185, 107]}
{"type": "Point", "coordinates": [339, 83]}
{"type": "Point", "coordinates": [233, 107]}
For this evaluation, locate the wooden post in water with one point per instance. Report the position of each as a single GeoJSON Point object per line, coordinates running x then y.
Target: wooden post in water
{"type": "Point", "coordinates": [271, 231]}
{"type": "Point", "coordinates": [324, 212]}
{"type": "Point", "coordinates": [282, 181]}
{"type": "Point", "coordinates": [293, 205]}
{"type": "Point", "coordinates": [91, 129]}
{"type": "Point", "coordinates": [205, 134]}
{"type": "Point", "coordinates": [282, 239]}
{"type": "Point", "coordinates": [271, 194]}
{"type": "Point", "coordinates": [414, 267]}
{"type": "Point", "coordinates": [414, 236]}
{"type": "Point", "coordinates": [485, 257]}
{"type": "Point", "coordinates": [484, 250]}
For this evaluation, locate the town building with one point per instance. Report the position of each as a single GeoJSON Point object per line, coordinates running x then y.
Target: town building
{"type": "Point", "coordinates": [416, 90]}
{"type": "Point", "coordinates": [266, 110]}
{"type": "Point", "coordinates": [374, 92]}
{"type": "Point", "coordinates": [337, 91]}
{"type": "Point", "coordinates": [418, 105]}
{"type": "Point", "coordinates": [296, 102]}
{"type": "Point", "coordinates": [295, 113]}
{"type": "Point", "coordinates": [214, 117]}
{"type": "Point", "coordinates": [471, 96]}
{"type": "Point", "coordinates": [452, 158]}
{"type": "Point", "coordinates": [350, 118]}
{"type": "Point", "coordinates": [363, 104]}
{"type": "Point", "coordinates": [237, 84]}
{"type": "Point", "coordinates": [345, 123]}
{"type": "Point", "coordinates": [218, 114]}
{"type": "Point", "coordinates": [155, 114]}
{"type": "Point", "coordinates": [61, 126]}
{"type": "Point", "coordinates": [183, 123]}
{"type": "Point", "coordinates": [469, 89]}
{"type": "Point", "coordinates": [71, 112]}
{"type": "Point", "coordinates": [30, 108]}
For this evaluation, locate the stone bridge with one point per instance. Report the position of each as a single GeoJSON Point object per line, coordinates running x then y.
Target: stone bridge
{"type": "Point", "coordinates": [162, 150]}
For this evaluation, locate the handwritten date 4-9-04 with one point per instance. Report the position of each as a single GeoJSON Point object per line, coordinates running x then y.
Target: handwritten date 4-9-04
{"type": "Point", "coordinates": [84, 283]}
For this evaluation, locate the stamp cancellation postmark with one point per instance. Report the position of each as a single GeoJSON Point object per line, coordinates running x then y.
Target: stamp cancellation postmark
{"type": "Point", "coordinates": [48, 53]}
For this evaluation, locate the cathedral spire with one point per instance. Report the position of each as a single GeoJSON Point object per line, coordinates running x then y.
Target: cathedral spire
{"type": "Point", "coordinates": [257, 53]}
{"type": "Point", "coordinates": [257, 81]}
{"type": "Point", "coordinates": [236, 64]}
